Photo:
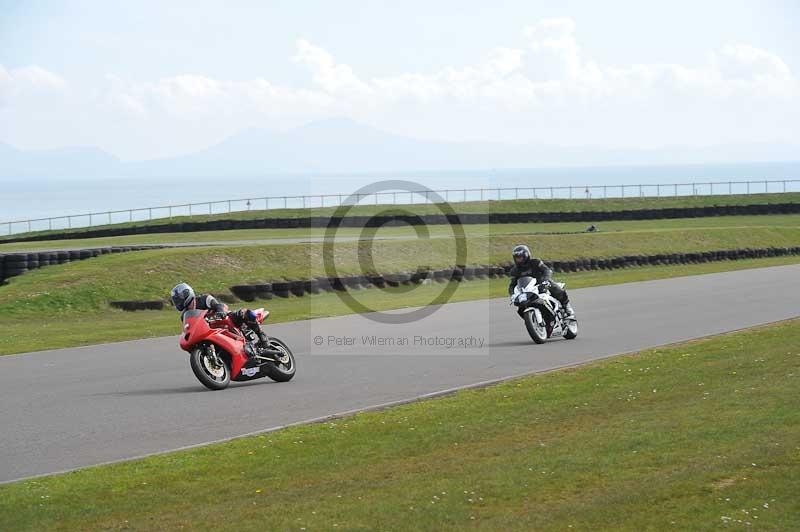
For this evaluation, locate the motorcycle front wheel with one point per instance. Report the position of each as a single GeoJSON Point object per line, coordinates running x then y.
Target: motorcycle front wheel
{"type": "Point", "coordinates": [571, 329]}
{"type": "Point", "coordinates": [212, 375]}
{"type": "Point", "coordinates": [537, 332]}
{"type": "Point", "coordinates": [284, 369]}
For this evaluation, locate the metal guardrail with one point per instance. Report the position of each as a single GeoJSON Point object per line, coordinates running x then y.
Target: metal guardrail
{"type": "Point", "coordinates": [168, 212]}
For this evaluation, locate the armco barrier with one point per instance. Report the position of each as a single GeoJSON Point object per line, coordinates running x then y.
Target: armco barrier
{"type": "Point", "coordinates": [14, 264]}
{"type": "Point", "coordinates": [431, 219]}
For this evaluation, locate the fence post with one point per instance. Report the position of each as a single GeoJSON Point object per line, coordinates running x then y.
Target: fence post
{"type": "Point", "coordinates": [50, 220]}
{"type": "Point", "coordinates": [109, 217]}
{"type": "Point", "coordinates": [464, 199]}
{"type": "Point", "coordinates": [229, 206]}
{"type": "Point", "coordinates": [29, 226]}
{"type": "Point", "coordinates": [784, 185]}
{"type": "Point", "coordinates": [90, 220]}
{"type": "Point", "coordinates": [552, 195]}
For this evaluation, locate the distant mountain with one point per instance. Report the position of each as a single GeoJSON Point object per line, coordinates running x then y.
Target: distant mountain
{"type": "Point", "coordinates": [78, 162]}
{"type": "Point", "coordinates": [343, 146]}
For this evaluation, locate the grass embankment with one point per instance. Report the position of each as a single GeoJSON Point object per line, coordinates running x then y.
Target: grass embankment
{"type": "Point", "coordinates": [288, 236]}
{"type": "Point", "coordinates": [688, 437]}
{"type": "Point", "coordinates": [502, 206]}
{"type": "Point", "coordinates": [49, 308]}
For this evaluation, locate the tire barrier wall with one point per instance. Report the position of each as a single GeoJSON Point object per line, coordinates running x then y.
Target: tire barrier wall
{"type": "Point", "coordinates": [13, 264]}
{"type": "Point", "coordinates": [284, 289]}
{"type": "Point", "coordinates": [428, 219]}
{"type": "Point", "coordinates": [298, 288]}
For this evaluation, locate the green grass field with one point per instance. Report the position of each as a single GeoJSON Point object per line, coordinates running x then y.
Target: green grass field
{"type": "Point", "coordinates": [698, 436]}
{"type": "Point", "coordinates": [91, 284]}
{"type": "Point", "coordinates": [79, 292]}
{"type": "Point", "coordinates": [288, 236]}
{"type": "Point", "coordinates": [504, 206]}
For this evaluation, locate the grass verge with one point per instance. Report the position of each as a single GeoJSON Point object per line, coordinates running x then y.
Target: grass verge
{"type": "Point", "coordinates": [502, 206]}
{"type": "Point", "coordinates": [24, 332]}
{"type": "Point", "coordinates": [288, 236]}
{"type": "Point", "coordinates": [89, 285]}
{"type": "Point", "coordinates": [689, 437]}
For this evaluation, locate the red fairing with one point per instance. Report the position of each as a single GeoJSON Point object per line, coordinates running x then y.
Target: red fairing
{"type": "Point", "coordinates": [222, 333]}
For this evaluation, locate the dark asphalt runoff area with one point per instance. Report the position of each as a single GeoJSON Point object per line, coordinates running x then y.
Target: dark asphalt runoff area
{"type": "Point", "coordinates": [72, 408]}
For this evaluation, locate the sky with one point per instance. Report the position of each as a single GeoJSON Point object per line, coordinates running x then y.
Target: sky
{"type": "Point", "coordinates": [146, 80]}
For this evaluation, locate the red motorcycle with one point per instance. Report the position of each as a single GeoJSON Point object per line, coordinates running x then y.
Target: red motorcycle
{"type": "Point", "coordinates": [220, 352]}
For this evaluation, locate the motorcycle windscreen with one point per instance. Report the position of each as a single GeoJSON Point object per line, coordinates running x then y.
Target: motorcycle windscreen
{"type": "Point", "coordinates": [526, 283]}
{"type": "Point", "coordinates": [189, 314]}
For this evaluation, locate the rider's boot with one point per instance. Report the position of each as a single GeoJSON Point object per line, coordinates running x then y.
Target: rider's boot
{"type": "Point", "coordinates": [263, 340]}
{"type": "Point", "coordinates": [568, 310]}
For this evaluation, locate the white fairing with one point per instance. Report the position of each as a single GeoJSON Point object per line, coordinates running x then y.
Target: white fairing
{"type": "Point", "coordinates": [527, 289]}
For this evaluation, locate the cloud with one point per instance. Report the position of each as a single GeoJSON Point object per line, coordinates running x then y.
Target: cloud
{"type": "Point", "coordinates": [332, 77]}
{"type": "Point", "coordinates": [544, 87]}
{"type": "Point", "coordinates": [27, 81]}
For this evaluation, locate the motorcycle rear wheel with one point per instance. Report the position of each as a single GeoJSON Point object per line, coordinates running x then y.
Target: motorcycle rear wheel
{"type": "Point", "coordinates": [283, 371]}
{"type": "Point", "coordinates": [210, 375]}
{"type": "Point", "coordinates": [538, 333]}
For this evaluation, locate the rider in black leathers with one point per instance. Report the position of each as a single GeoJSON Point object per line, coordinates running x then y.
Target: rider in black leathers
{"type": "Point", "coordinates": [527, 266]}
{"type": "Point", "coordinates": [184, 298]}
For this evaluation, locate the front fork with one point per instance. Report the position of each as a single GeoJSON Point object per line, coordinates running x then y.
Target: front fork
{"type": "Point", "coordinates": [214, 356]}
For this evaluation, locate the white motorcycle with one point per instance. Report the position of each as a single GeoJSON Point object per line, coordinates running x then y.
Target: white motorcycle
{"type": "Point", "coordinates": [543, 314]}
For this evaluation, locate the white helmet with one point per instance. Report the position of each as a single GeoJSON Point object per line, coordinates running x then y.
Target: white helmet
{"type": "Point", "coordinates": [182, 296]}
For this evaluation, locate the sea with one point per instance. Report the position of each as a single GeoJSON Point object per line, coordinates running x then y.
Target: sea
{"type": "Point", "coordinates": [53, 197]}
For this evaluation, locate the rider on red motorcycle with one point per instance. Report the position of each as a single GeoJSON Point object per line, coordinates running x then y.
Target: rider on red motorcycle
{"type": "Point", "coordinates": [183, 297]}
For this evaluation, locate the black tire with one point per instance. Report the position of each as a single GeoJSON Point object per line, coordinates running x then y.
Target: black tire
{"type": "Point", "coordinates": [196, 361]}
{"type": "Point", "coordinates": [282, 372]}
{"type": "Point", "coordinates": [244, 292]}
{"type": "Point", "coordinates": [537, 335]}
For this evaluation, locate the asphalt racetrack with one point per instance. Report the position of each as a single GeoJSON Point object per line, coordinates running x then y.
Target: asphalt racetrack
{"type": "Point", "coordinates": [72, 408]}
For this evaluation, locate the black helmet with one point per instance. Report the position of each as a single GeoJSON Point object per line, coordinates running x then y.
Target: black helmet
{"type": "Point", "coordinates": [521, 254]}
{"type": "Point", "coordinates": [182, 296]}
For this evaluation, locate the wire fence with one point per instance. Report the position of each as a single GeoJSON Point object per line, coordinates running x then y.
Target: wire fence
{"type": "Point", "coordinates": [221, 207]}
